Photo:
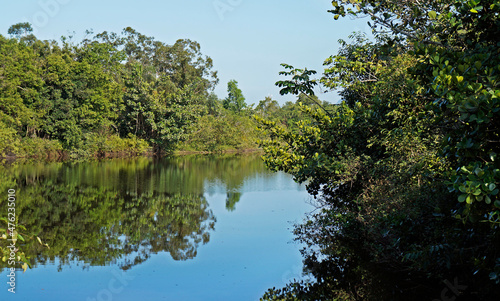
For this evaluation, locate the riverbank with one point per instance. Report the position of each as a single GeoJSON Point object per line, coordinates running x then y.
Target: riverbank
{"type": "Point", "coordinates": [228, 151]}
{"type": "Point", "coordinates": [66, 155]}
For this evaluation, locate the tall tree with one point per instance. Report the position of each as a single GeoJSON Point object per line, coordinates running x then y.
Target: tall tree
{"type": "Point", "coordinates": [234, 100]}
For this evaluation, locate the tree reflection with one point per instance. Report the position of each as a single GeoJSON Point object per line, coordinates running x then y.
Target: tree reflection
{"type": "Point", "coordinates": [100, 226]}
{"type": "Point", "coordinates": [121, 211]}
{"type": "Point", "coordinates": [232, 199]}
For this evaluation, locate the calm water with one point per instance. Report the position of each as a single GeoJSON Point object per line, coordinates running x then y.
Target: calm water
{"type": "Point", "coordinates": [183, 228]}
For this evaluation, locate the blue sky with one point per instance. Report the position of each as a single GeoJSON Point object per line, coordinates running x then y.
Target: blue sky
{"type": "Point", "coordinates": [247, 39]}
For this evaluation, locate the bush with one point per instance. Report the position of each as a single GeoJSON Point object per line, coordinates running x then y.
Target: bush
{"type": "Point", "coordinates": [96, 144]}
{"type": "Point", "coordinates": [230, 131]}
{"type": "Point", "coordinates": [8, 140]}
{"type": "Point", "coordinates": [38, 147]}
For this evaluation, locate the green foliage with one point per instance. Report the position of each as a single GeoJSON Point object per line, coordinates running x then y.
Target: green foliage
{"type": "Point", "coordinates": [39, 148]}
{"type": "Point", "coordinates": [228, 131]}
{"type": "Point", "coordinates": [300, 82]}
{"type": "Point", "coordinates": [234, 100]}
{"type": "Point", "coordinates": [405, 169]}
{"type": "Point", "coordinates": [111, 145]}
{"type": "Point", "coordinates": [463, 76]}
{"type": "Point", "coordinates": [20, 29]}
{"type": "Point", "coordinates": [16, 234]}
{"type": "Point", "coordinates": [267, 107]}
{"type": "Point", "coordinates": [8, 141]}
{"type": "Point", "coordinates": [106, 86]}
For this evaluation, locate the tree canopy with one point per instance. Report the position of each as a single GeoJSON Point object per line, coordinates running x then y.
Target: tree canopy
{"type": "Point", "coordinates": [235, 100]}
{"type": "Point", "coordinates": [95, 95]}
{"type": "Point", "coordinates": [405, 168]}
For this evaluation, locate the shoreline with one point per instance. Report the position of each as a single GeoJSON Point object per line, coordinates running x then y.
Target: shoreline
{"type": "Point", "coordinates": [65, 156]}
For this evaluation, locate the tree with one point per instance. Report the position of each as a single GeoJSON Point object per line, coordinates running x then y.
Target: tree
{"type": "Point", "coordinates": [404, 168]}
{"type": "Point", "coordinates": [20, 30]}
{"type": "Point", "coordinates": [101, 92]}
{"type": "Point", "coordinates": [267, 107]}
{"type": "Point", "coordinates": [234, 100]}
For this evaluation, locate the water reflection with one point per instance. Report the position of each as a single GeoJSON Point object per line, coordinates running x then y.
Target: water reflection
{"type": "Point", "coordinates": [124, 210]}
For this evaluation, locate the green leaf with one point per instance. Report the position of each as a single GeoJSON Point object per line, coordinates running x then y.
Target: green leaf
{"type": "Point", "coordinates": [492, 186]}
{"type": "Point", "coordinates": [432, 14]}
{"type": "Point", "coordinates": [478, 171]}
{"type": "Point", "coordinates": [462, 198]}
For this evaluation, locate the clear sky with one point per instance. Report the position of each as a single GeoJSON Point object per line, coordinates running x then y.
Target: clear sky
{"type": "Point", "coordinates": [247, 39]}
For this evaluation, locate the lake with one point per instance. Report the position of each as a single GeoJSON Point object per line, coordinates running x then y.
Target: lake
{"type": "Point", "coordinates": [179, 228]}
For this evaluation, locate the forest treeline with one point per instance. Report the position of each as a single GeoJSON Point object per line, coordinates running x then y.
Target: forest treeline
{"type": "Point", "coordinates": [405, 169]}
{"type": "Point", "coordinates": [120, 94]}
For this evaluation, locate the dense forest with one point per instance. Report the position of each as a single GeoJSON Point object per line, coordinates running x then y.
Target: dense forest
{"type": "Point", "coordinates": [118, 94]}
{"type": "Point", "coordinates": [405, 169]}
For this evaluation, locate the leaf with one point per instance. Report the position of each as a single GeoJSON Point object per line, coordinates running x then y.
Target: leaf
{"type": "Point", "coordinates": [432, 14]}
{"type": "Point", "coordinates": [20, 237]}
{"type": "Point", "coordinates": [25, 267]}
{"type": "Point", "coordinates": [492, 186]}
{"type": "Point", "coordinates": [462, 198]}
{"type": "Point", "coordinates": [39, 240]}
